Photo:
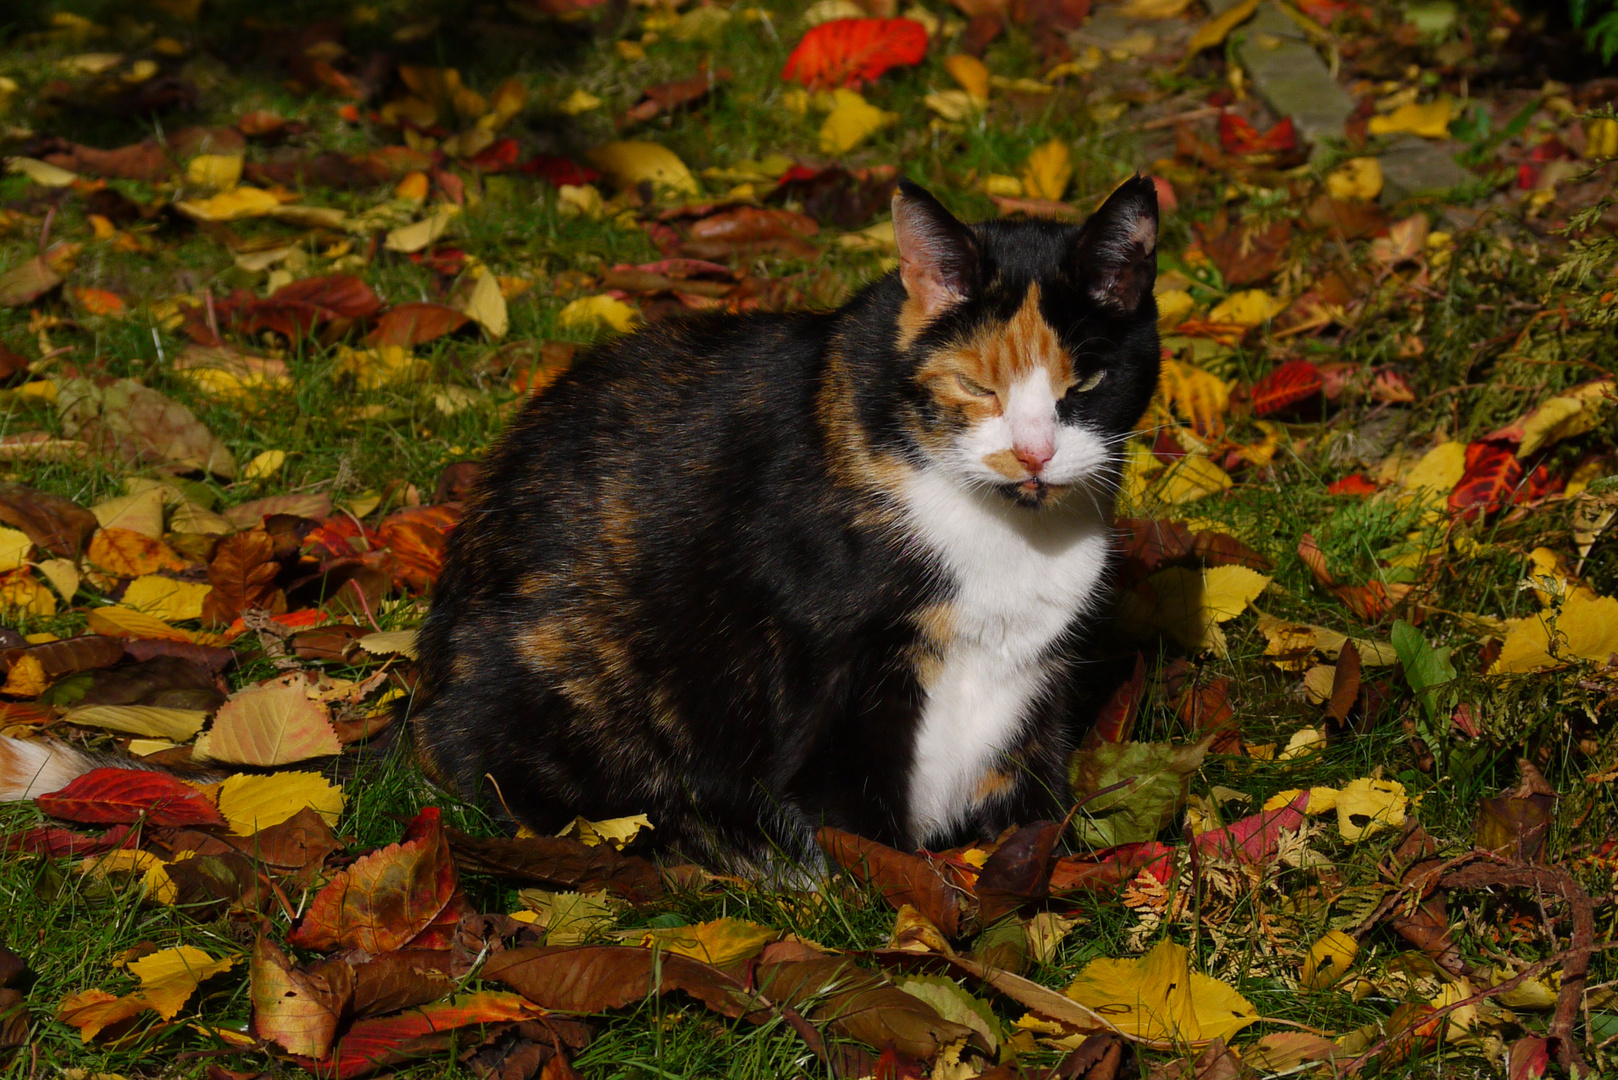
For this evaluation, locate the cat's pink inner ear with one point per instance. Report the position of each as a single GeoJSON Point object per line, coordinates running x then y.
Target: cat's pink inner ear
{"type": "Point", "coordinates": [935, 252]}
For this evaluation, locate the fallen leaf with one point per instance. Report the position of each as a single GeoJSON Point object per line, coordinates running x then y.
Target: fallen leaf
{"type": "Point", "coordinates": [1356, 178]}
{"type": "Point", "coordinates": [558, 861]}
{"type": "Point", "coordinates": [385, 898]}
{"type": "Point", "coordinates": [588, 312]}
{"type": "Point", "coordinates": [125, 553]}
{"type": "Point", "coordinates": [1159, 998]}
{"type": "Point", "coordinates": [168, 978]}
{"type": "Point", "coordinates": [140, 425]}
{"type": "Point", "coordinates": [1367, 806]}
{"type": "Point", "coordinates": [418, 235]}
{"type": "Point", "coordinates": [902, 879]}
{"type": "Point", "coordinates": [125, 622]}
{"type": "Point", "coordinates": [1237, 136]}
{"type": "Point", "coordinates": [1049, 170]}
{"type": "Point", "coordinates": [619, 832]}
{"type": "Point", "coordinates": [1154, 778]}
{"type": "Point", "coordinates": [1252, 307]}
{"type": "Point", "coordinates": [1493, 478]}
{"type": "Point", "coordinates": [1430, 121]}
{"type": "Point", "coordinates": [1216, 29]}
{"type": "Point", "coordinates": [252, 803]}
{"type": "Point", "coordinates": [414, 323]}
{"type": "Point", "coordinates": [27, 282]}
{"type": "Point", "coordinates": [297, 1008]}
{"type": "Point", "coordinates": [1199, 397]}
{"type": "Point", "coordinates": [58, 525]}
{"type": "Point", "coordinates": [851, 121]}
{"type": "Point", "coordinates": [1286, 385]}
{"type": "Point", "coordinates": [1585, 628]}
{"type": "Point", "coordinates": [720, 942]}
{"type": "Point", "coordinates": [485, 305]}
{"type": "Point", "coordinates": [179, 725]}
{"type": "Point", "coordinates": [233, 205]}
{"type": "Point", "coordinates": [632, 163]}
{"type": "Point", "coordinates": [971, 74]}
{"type": "Point", "coordinates": [425, 1031]}
{"type": "Point", "coordinates": [125, 796]}
{"type": "Point", "coordinates": [848, 52]}
{"type": "Point", "coordinates": [271, 724]}
{"type": "Point", "coordinates": [166, 598]}
{"type": "Point", "coordinates": [243, 575]}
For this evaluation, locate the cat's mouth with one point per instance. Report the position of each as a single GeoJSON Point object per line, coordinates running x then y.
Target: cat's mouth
{"type": "Point", "coordinates": [1034, 491]}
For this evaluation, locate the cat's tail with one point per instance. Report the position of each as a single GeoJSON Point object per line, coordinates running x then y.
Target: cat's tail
{"type": "Point", "coordinates": [33, 767]}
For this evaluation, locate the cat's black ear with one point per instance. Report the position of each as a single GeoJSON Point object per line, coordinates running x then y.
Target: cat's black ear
{"type": "Point", "coordinates": [1115, 255]}
{"type": "Point", "coordinates": [938, 255]}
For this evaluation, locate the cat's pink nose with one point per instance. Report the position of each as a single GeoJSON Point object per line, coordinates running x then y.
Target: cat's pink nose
{"type": "Point", "coordinates": [1033, 457]}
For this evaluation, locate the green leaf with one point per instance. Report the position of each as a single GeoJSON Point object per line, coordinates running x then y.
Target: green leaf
{"type": "Point", "coordinates": [1426, 669]}
{"type": "Point", "coordinates": [1153, 777]}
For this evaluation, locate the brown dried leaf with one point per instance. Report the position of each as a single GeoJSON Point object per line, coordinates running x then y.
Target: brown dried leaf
{"type": "Point", "coordinates": [559, 861]}
{"type": "Point", "coordinates": [58, 525]}
{"type": "Point", "coordinates": [243, 574]}
{"type": "Point", "coordinates": [141, 426]}
{"type": "Point", "coordinates": [298, 1009]}
{"type": "Point", "coordinates": [901, 878]}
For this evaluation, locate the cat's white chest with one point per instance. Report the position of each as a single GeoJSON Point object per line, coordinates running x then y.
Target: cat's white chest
{"type": "Point", "coordinates": [1020, 577]}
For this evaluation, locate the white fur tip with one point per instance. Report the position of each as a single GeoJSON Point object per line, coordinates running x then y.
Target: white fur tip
{"type": "Point", "coordinates": [33, 767]}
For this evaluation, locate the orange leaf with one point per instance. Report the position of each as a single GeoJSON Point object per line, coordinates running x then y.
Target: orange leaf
{"type": "Point", "coordinates": [127, 553]}
{"type": "Point", "coordinates": [1493, 475]}
{"type": "Point", "coordinates": [275, 724]}
{"type": "Point", "coordinates": [1292, 382]}
{"type": "Point", "coordinates": [99, 301]}
{"type": "Point", "coordinates": [848, 52]}
{"type": "Point", "coordinates": [385, 898]}
{"type": "Point", "coordinates": [298, 1008]}
{"type": "Point", "coordinates": [415, 323]}
{"type": "Point", "coordinates": [389, 1040]}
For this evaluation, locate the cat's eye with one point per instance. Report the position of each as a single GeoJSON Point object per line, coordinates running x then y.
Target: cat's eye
{"type": "Point", "coordinates": [975, 389]}
{"type": "Point", "coordinates": [1090, 383]}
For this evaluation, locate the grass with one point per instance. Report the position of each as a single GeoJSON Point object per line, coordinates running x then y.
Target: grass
{"type": "Point", "coordinates": [1482, 368]}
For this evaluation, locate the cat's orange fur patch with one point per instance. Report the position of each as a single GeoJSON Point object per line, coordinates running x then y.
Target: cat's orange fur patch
{"type": "Point", "coordinates": [994, 359]}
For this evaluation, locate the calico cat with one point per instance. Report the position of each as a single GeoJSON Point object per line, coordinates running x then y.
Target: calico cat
{"type": "Point", "coordinates": [749, 575]}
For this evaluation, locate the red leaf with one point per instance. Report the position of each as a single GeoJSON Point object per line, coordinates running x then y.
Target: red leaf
{"type": "Point", "coordinates": [557, 171]}
{"type": "Point", "coordinates": [1292, 382]}
{"type": "Point", "coordinates": [1254, 838]}
{"type": "Point", "coordinates": [901, 878]}
{"type": "Point", "coordinates": [333, 294]}
{"type": "Point", "coordinates": [1116, 720]}
{"type": "Point", "coordinates": [848, 52]}
{"type": "Point", "coordinates": [415, 323]}
{"type": "Point", "coordinates": [499, 156]}
{"type": "Point", "coordinates": [1237, 136]}
{"type": "Point", "coordinates": [1353, 484]}
{"type": "Point", "coordinates": [57, 843]}
{"type": "Point", "coordinates": [1111, 867]}
{"type": "Point", "coordinates": [125, 796]}
{"type": "Point", "coordinates": [1491, 479]}
{"type": "Point", "coordinates": [420, 1032]}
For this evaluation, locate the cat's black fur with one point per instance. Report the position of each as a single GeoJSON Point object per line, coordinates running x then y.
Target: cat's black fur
{"type": "Point", "coordinates": [682, 587]}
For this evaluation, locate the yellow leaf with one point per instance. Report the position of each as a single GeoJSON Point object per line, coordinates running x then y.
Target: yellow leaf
{"type": "Point", "coordinates": [1439, 470]}
{"type": "Point", "coordinates": [41, 172]}
{"type": "Point", "coordinates": [1601, 139]}
{"type": "Point", "coordinates": [1329, 960]}
{"type": "Point", "coordinates": [486, 305]}
{"type": "Point", "coordinates": [721, 942]}
{"type": "Point", "coordinates": [1321, 800]}
{"type": "Point", "coordinates": [179, 725]}
{"type": "Point", "coordinates": [587, 312]}
{"type": "Point", "coordinates": [219, 171]}
{"type": "Point", "coordinates": [1368, 806]}
{"type": "Point", "coordinates": [1305, 742]}
{"type": "Point", "coordinates": [382, 366]}
{"type": "Point", "coordinates": [508, 101]}
{"type": "Point", "coordinates": [580, 200]}
{"type": "Point", "coordinates": [614, 831]}
{"type": "Point", "coordinates": [579, 102]}
{"type": "Point", "coordinates": [63, 576]}
{"type": "Point", "coordinates": [1191, 478]}
{"type": "Point", "coordinates": [128, 623]}
{"type": "Point", "coordinates": [412, 187]}
{"type": "Point", "coordinates": [1586, 628]}
{"type": "Point", "coordinates": [851, 121]}
{"type": "Point", "coordinates": [166, 598]}
{"type": "Point", "coordinates": [1159, 998]}
{"type": "Point", "coordinates": [253, 803]}
{"type": "Point", "coordinates": [1317, 682]}
{"type": "Point", "coordinates": [1151, 9]}
{"type": "Point", "coordinates": [233, 205]}
{"type": "Point", "coordinates": [1250, 307]}
{"type": "Point", "coordinates": [26, 678]}
{"type": "Point", "coordinates": [1173, 305]}
{"type": "Point", "coordinates": [188, 517]}
{"type": "Point", "coordinates": [956, 106]}
{"type": "Point", "coordinates": [632, 162]}
{"type": "Point", "coordinates": [20, 594]}
{"type": "Point", "coordinates": [265, 465]}
{"type": "Point", "coordinates": [1048, 170]}
{"type": "Point", "coordinates": [417, 235]}
{"type": "Point", "coordinates": [141, 512]}
{"type": "Point", "coordinates": [14, 549]}
{"type": "Point", "coordinates": [1430, 121]}
{"type": "Point", "coordinates": [402, 642]}
{"type": "Point", "coordinates": [970, 73]}
{"type": "Point", "coordinates": [570, 917]}
{"type": "Point", "coordinates": [1216, 29]}
{"type": "Point", "coordinates": [1581, 410]}
{"type": "Point", "coordinates": [273, 724]}
{"type": "Point", "coordinates": [1199, 397]}
{"type": "Point", "coordinates": [1356, 178]}
{"type": "Point", "coordinates": [1191, 603]}
{"type": "Point", "coordinates": [168, 978]}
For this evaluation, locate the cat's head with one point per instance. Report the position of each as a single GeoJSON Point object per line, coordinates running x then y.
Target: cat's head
{"type": "Point", "coordinates": [1033, 344]}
